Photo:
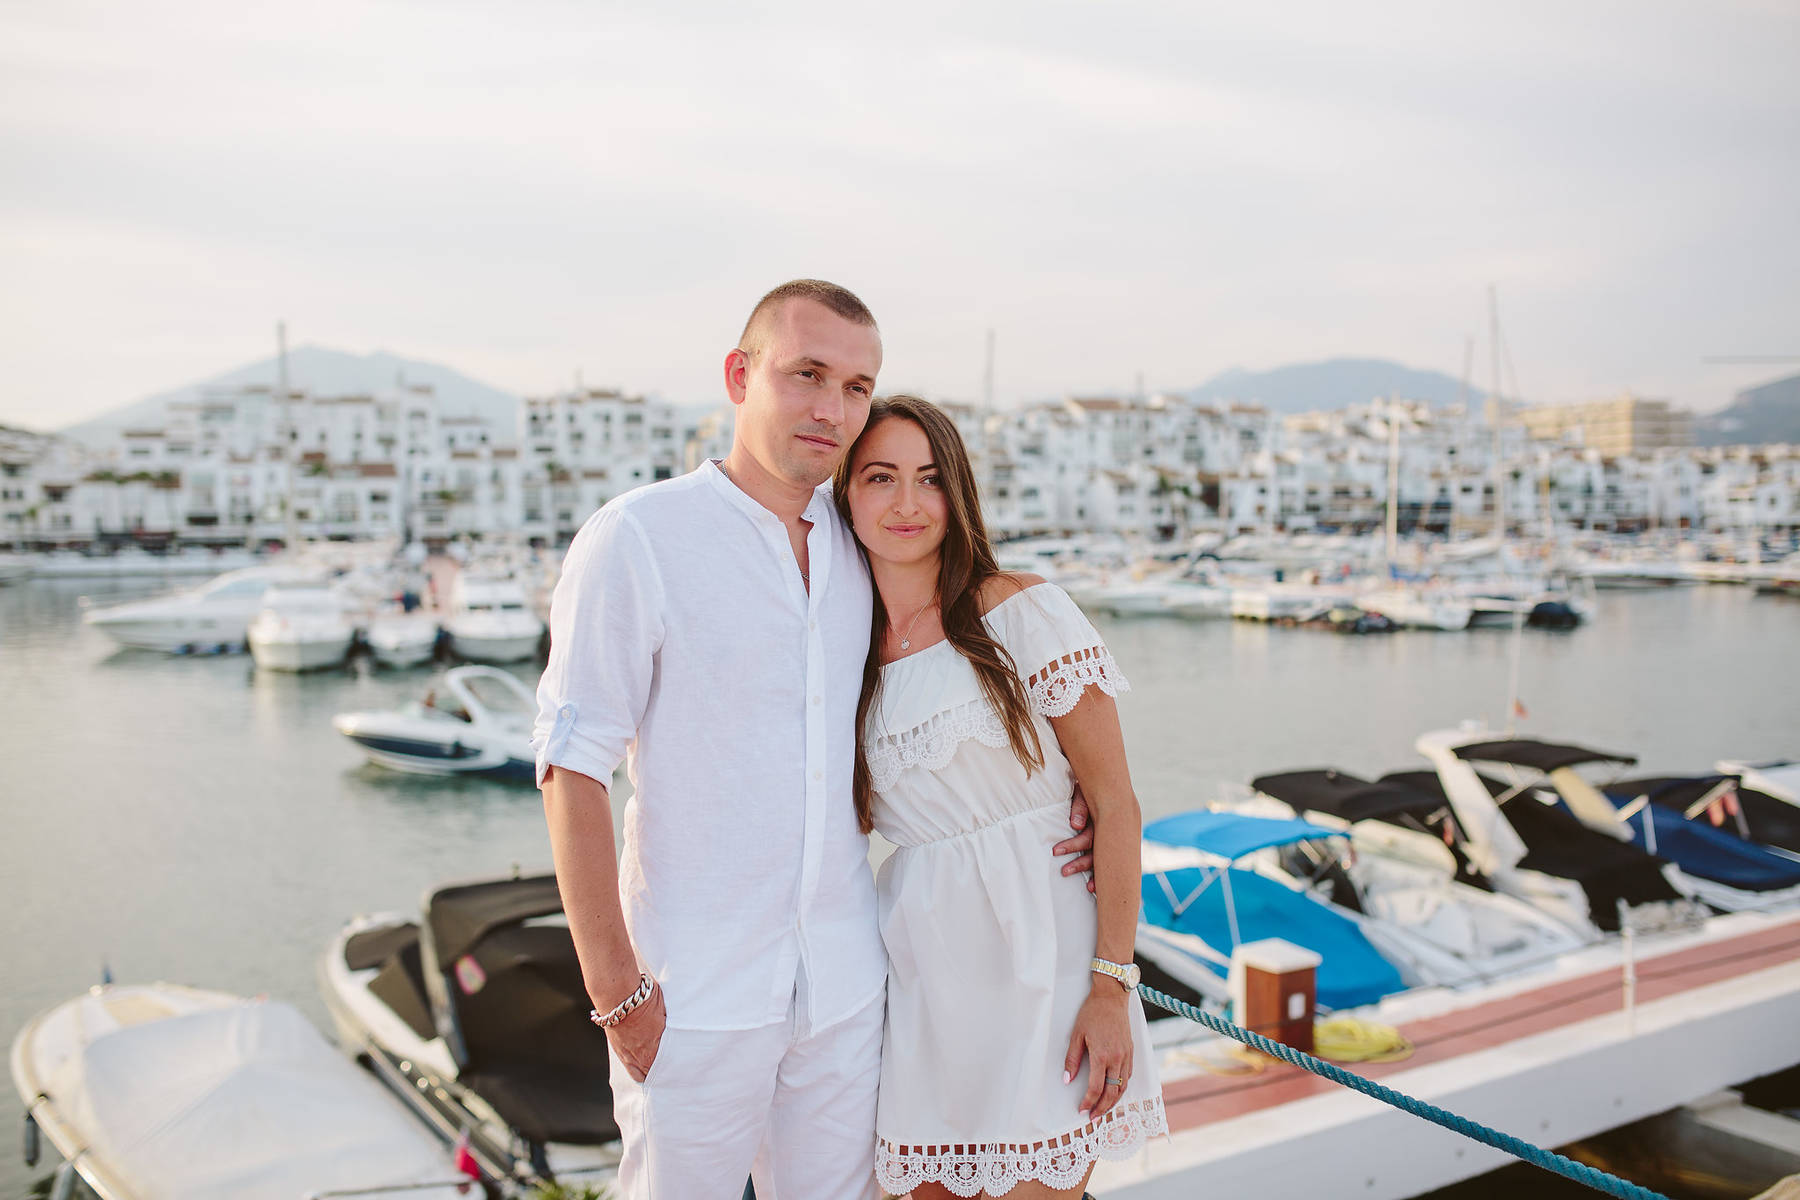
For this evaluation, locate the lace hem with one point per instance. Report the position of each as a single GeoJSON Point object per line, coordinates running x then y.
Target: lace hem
{"type": "Point", "coordinates": [933, 744]}
{"type": "Point", "coordinates": [1056, 690]}
{"type": "Point", "coordinates": [969, 1170]}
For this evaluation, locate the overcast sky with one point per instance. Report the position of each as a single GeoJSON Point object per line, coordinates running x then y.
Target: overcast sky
{"type": "Point", "coordinates": [524, 189]}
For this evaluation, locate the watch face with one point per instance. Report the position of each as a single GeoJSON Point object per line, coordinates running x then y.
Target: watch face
{"type": "Point", "coordinates": [1132, 975]}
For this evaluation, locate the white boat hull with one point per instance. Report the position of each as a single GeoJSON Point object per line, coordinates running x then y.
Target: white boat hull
{"type": "Point", "coordinates": [495, 648]}
{"type": "Point", "coordinates": [402, 641]}
{"type": "Point", "coordinates": [184, 635]}
{"type": "Point", "coordinates": [294, 655]}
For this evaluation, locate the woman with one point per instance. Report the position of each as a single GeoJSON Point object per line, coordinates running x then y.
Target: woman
{"type": "Point", "coordinates": [1015, 1051]}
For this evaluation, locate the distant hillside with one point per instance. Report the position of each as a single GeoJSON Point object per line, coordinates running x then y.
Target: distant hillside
{"type": "Point", "coordinates": [1767, 413]}
{"type": "Point", "coordinates": [326, 372]}
{"type": "Point", "coordinates": [1306, 387]}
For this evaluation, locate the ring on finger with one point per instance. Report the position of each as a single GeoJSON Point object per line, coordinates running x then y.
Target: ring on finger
{"type": "Point", "coordinates": [1111, 1082]}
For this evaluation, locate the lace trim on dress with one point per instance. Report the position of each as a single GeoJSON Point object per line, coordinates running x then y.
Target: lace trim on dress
{"type": "Point", "coordinates": [932, 744]}
{"type": "Point", "coordinates": [1056, 690]}
{"type": "Point", "coordinates": [996, 1168]}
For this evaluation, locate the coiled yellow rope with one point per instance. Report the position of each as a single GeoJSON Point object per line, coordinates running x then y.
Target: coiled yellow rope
{"type": "Point", "coordinates": [1337, 1039]}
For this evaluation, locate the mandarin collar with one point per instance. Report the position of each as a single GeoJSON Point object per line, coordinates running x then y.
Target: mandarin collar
{"type": "Point", "coordinates": [819, 508]}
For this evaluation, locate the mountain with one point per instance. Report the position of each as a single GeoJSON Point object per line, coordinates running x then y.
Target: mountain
{"type": "Point", "coordinates": [1305, 387]}
{"type": "Point", "coordinates": [326, 372]}
{"type": "Point", "coordinates": [1769, 412]}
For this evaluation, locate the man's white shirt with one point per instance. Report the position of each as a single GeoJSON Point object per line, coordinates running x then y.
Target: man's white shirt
{"type": "Point", "coordinates": [684, 643]}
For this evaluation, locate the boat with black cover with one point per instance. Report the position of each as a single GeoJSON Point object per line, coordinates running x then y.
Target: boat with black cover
{"type": "Point", "coordinates": [1727, 802]}
{"type": "Point", "coordinates": [476, 1014]}
{"type": "Point", "coordinates": [1542, 854]}
{"type": "Point", "coordinates": [1726, 872]}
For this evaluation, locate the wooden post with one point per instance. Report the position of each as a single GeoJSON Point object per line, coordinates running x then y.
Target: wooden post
{"type": "Point", "coordinates": [1273, 991]}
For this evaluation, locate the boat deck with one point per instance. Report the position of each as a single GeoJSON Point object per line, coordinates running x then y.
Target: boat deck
{"type": "Point", "coordinates": [1204, 1099]}
{"type": "Point", "coordinates": [1550, 1060]}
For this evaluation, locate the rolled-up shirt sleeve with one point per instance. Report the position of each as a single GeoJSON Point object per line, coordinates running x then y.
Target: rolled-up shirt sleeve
{"type": "Point", "coordinates": [606, 626]}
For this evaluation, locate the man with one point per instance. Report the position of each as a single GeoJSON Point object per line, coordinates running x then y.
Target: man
{"type": "Point", "coordinates": [711, 630]}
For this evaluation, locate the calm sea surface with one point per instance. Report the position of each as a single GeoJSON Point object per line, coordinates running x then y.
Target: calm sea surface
{"type": "Point", "coordinates": [195, 820]}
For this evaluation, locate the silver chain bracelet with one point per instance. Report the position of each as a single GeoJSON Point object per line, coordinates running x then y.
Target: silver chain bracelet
{"type": "Point", "coordinates": [645, 986]}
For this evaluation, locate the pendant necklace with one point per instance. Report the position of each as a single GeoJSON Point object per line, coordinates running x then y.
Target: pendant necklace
{"type": "Point", "coordinates": [906, 638]}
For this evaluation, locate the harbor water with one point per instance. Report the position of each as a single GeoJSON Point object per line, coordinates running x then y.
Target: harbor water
{"type": "Point", "coordinates": [198, 821]}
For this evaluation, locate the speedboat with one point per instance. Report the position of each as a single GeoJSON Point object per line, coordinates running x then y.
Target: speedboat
{"type": "Point", "coordinates": [1542, 832]}
{"type": "Point", "coordinates": [475, 1013]}
{"type": "Point", "coordinates": [156, 1091]}
{"type": "Point", "coordinates": [402, 639]}
{"type": "Point", "coordinates": [211, 618]}
{"type": "Point", "coordinates": [1723, 802]}
{"type": "Point", "coordinates": [474, 721]}
{"type": "Point", "coordinates": [1406, 879]}
{"type": "Point", "coordinates": [489, 621]}
{"type": "Point", "coordinates": [300, 629]}
{"type": "Point", "coordinates": [1724, 871]}
{"type": "Point", "coordinates": [1200, 905]}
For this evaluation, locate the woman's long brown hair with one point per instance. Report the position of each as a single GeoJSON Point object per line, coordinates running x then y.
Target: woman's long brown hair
{"type": "Point", "coordinates": [965, 562]}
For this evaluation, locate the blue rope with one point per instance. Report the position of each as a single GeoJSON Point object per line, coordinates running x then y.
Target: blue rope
{"type": "Point", "coordinates": [1568, 1168]}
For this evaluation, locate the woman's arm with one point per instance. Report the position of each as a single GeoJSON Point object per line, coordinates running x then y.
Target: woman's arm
{"type": "Point", "coordinates": [1094, 744]}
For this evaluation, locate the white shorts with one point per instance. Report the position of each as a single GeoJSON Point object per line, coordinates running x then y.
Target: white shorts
{"type": "Point", "coordinates": [793, 1110]}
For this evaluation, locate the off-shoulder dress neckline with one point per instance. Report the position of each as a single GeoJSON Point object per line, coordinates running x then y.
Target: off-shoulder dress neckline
{"type": "Point", "coordinates": [924, 650]}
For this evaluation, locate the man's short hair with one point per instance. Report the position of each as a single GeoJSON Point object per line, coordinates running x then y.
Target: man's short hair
{"type": "Point", "coordinates": [840, 300]}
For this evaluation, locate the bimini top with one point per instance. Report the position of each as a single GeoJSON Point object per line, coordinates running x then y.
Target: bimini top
{"type": "Point", "coordinates": [1544, 756]}
{"type": "Point", "coordinates": [1232, 835]}
{"type": "Point", "coordinates": [1345, 796]}
{"type": "Point", "coordinates": [459, 917]}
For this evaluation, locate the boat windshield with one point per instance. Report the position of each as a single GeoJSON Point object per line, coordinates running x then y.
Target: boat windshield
{"type": "Point", "coordinates": [497, 698]}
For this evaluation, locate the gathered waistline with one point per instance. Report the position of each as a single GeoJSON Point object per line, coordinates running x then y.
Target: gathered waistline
{"type": "Point", "coordinates": [1058, 806]}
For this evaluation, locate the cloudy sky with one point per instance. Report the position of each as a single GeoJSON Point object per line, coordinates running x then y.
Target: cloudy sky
{"type": "Point", "coordinates": [522, 190]}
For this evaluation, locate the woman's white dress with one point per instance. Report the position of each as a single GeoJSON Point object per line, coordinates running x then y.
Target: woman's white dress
{"type": "Point", "coordinates": [988, 943]}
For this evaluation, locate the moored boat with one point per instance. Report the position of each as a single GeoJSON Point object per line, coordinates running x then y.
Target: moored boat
{"type": "Point", "coordinates": [300, 629]}
{"type": "Point", "coordinates": [159, 1092]}
{"type": "Point", "coordinates": [476, 1014]}
{"type": "Point", "coordinates": [213, 617]}
{"type": "Point", "coordinates": [489, 621]}
{"type": "Point", "coordinates": [474, 721]}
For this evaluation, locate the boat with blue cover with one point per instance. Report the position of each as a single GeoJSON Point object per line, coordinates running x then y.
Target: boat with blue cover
{"type": "Point", "coordinates": [1194, 915]}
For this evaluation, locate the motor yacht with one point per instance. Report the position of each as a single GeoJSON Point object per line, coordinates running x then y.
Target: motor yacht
{"type": "Point", "coordinates": [489, 621]}
{"type": "Point", "coordinates": [14, 568]}
{"type": "Point", "coordinates": [475, 1013]}
{"type": "Point", "coordinates": [300, 629]}
{"type": "Point", "coordinates": [211, 618]}
{"type": "Point", "coordinates": [158, 1090]}
{"type": "Point", "coordinates": [474, 721]}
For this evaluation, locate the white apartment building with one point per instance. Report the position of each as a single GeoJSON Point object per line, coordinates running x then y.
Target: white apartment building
{"type": "Point", "coordinates": [245, 464]}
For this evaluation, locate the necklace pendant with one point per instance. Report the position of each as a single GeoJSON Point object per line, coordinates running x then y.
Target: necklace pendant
{"type": "Point", "coordinates": [905, 645]}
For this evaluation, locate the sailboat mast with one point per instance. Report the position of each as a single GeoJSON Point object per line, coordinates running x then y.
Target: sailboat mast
{"type": "Point", "coordinates": [292, 454]}
{"type": "Point", "coordinates": [1393, 497]}
{"type": "Point", "coordinates": [1499, 420]}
